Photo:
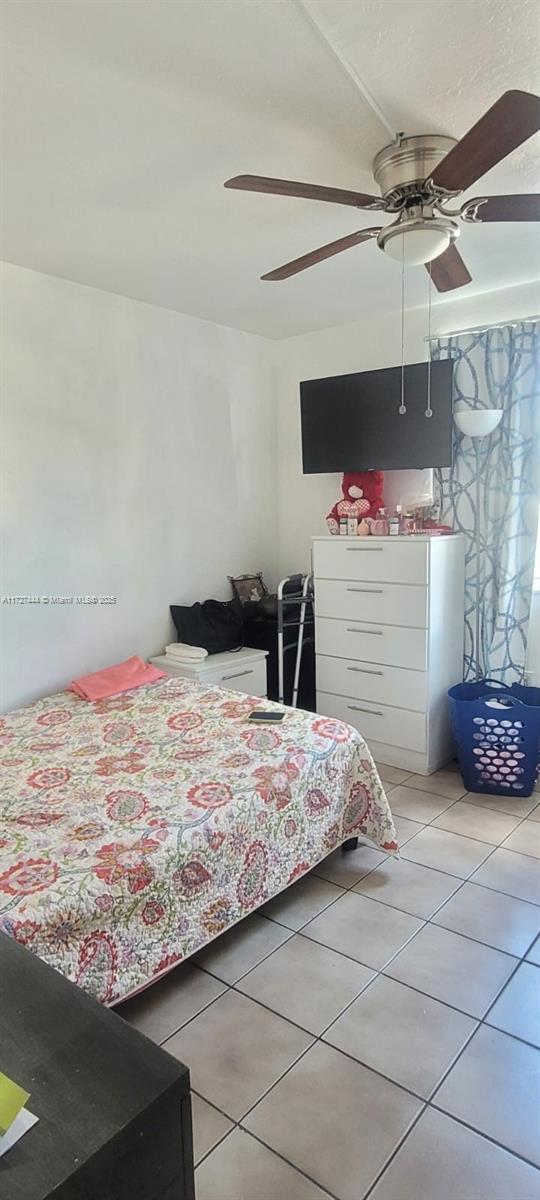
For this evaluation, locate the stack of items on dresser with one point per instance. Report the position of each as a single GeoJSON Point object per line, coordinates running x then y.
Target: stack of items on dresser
{"type": "Point", "coordinates": [180, 654]}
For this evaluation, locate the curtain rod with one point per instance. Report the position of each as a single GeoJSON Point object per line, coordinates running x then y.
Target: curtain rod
{"type": "Point", "coordinates": [483, 328]}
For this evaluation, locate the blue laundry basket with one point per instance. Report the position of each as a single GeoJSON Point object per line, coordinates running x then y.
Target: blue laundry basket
{"type": "Point", "coordinates": [497, 730]}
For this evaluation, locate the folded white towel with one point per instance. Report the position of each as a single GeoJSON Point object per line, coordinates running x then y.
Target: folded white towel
{"type": "Point", "coordinates": [193, 663]}
{"type": "Point", "coordinates": [183, 651]}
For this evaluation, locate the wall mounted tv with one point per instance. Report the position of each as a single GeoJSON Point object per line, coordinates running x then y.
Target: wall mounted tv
{"type": "Point", "coordinates": [351, 422]}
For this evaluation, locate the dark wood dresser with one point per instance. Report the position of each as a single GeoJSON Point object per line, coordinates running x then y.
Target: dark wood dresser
{"type": "Point", "coordinates": [114, 1109]}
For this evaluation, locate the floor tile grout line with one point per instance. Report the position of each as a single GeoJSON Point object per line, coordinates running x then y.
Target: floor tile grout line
{"type": "Point", "coordinates": [488, 888]}
{"type": "Point", "coordinates": [291, 933]}
{"type": "Point", "coordinates": [482, 1022]}
{"type": "Point", "coordinates": [217, 1144]}
{"type": "Point", "coordinates": [487, 1137]}
{"type": "Point", "coordinates": [469, 878]}
{"type": "Point", "coordinates": [461, 800]}
{"type": "Point", "coordinates": [189, 1019]}
{"type": "Point", "coordinates": [389, 960]}
{"type": "Point", "coordinates": [234, 1124]}
{"type": "Point", "coordinates": [200, 1011]}
{"type": "Point", "coordinates": [458, 932]}
{"type": "Point", "coordinates": [498, 997]}
{"type": "Point", "coordinates": [446, 1003]}
{"type": "Point", "coordinates": [484, 808]}
{"type": "Point", "coordinates": [237, 1125]}
{"type": "Point", "coordinates": [281, 1077]}
{"type": "Point", "coordinates": [483, 842]}
{"type": "Point", "coordinates": [395, 1151]}
{"type": "Point", "coordinates": [515, 1036]}
{"type": "Point", "coordinates": [448, 1070]}
{"type": "Point", "coordinates": [257, 1138]}
{"type": "Point", "coordinates": [317, 1036]}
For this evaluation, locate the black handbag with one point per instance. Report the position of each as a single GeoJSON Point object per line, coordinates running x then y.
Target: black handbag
{"type": "Point", "coordinates": [216, 625]}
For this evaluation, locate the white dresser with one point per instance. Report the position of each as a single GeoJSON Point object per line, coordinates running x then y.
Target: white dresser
{"type": "Point", "coordinates": [238, 670]}
{"type": "Point", "coordinates": [389, 641]}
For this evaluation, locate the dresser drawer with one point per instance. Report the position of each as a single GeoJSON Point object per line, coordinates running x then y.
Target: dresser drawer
{"type": "Point", "coordinates": [250, 679]}
{"type": "Point", "coordinates": [385, 603]}
{"type": "Point", "coordinates": [242, 676]}
{"type": "Point", "coordinates": [366, 681]}
{"type": "Point", "coordinates": [377, 722]}
{"type": "Point", "coordinates": [387, 560]}
{"type": "Point", "coordinates": [372, 643]}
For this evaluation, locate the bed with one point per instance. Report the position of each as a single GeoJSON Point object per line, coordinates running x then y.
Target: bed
{"type": "Point", "coordinates": [136, 829]}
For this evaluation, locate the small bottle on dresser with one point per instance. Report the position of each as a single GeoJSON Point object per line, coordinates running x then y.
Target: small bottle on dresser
{"type": "Point", "coordinates": [343, 526]}
{"type": "Point", "coordinates": [393, 524]}
{"type": "Point", "coordinates": [380, 524]}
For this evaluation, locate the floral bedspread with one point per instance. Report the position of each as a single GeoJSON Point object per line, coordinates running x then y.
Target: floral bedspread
{"type": "Point", "coordinates": [136, 829]}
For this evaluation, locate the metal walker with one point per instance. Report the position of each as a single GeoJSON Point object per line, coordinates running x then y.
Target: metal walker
{"type": "Point", "coordinates": [293, 590]}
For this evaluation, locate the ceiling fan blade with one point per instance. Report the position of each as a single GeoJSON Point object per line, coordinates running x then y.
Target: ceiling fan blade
{"type": "Point", "coordinates": [306, 191]}
{"type": "Point", "coordinates": [316, 256]}
{"type": "Point", "coordinates": [504, 208]}
{"type": "Point", "coordinates": [448, 271]}
{"type": "Point", "coordinates": [510, 121]}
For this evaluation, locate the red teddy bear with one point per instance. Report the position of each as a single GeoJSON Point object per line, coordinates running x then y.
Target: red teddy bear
{"type": "Point", "coordinates": [363, 497]}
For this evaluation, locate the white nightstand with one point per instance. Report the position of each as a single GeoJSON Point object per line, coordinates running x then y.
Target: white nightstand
{"type": "Point", "coordinates": [237, 670]}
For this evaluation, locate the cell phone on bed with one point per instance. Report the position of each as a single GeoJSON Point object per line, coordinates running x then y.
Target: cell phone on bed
{"type": "Point", "coordinates": [265, 718]}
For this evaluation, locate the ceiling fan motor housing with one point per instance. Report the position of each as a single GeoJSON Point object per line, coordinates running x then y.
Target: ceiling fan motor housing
{"type": "Point", "coordinates": [401, 169]}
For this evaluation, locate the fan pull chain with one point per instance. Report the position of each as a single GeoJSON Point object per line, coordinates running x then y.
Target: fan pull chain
{"type": "Point", "coordinates": [402, 408]}
{"type": "Point", "coordinates": [429, 410]}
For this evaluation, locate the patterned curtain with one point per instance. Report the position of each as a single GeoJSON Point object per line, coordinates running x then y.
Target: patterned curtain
{"type": "Point", "coordinates": [496, 368]}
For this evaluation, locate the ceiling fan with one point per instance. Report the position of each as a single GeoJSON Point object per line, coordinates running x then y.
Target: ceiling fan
{"type": "Point", "coordinates": [418, 177]}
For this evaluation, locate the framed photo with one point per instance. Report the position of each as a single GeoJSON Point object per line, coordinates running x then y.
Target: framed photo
{"type": "Point", "coordinates": [249, 588]}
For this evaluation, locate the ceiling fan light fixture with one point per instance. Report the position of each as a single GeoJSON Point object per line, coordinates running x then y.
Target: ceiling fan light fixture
{"type": "Point", "coordinates": [419, 240]}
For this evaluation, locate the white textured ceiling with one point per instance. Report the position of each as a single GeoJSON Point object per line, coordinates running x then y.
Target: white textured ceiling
{"type": "Point", "coordinates": [122, 119]}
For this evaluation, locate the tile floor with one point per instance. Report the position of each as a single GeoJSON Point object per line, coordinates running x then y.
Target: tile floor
{"type": "Point", "coordinates": [375, 1030]}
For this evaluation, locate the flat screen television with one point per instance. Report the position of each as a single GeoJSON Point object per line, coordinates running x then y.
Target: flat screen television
{"type": "Point", "coordinates": [351, 422]}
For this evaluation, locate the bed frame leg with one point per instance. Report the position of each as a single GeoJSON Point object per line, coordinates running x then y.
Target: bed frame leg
{"type": "Point", "coordinates": [350, 844]}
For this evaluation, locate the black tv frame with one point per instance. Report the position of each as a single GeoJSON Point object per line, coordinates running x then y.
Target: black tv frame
{"type": "Point", "coordinates": [417, 441]}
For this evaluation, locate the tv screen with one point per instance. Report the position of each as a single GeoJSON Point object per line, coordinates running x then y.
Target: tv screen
{"type": "Point", "coordinates": [351, 422]}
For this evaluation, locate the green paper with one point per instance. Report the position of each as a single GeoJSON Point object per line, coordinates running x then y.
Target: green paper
{"type": "Point", "coordinates": [12, 1099]}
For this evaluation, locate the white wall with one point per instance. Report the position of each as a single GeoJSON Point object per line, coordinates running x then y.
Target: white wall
{"type": "Point", "coordinates": [138, 459]}
{"type": "Point", "coordinates": [304, 500]}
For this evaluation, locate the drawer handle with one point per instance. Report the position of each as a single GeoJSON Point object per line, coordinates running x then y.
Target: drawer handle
{"type": "Point", "coordinates": [370, 591]}
{"type": "Point", "coordinates": [378, 632]}
{"type": "Point", "coordinates": [374, 712]}
{"type": "Point", "coordinates": [365, 549]}
{"type": "Point", "coordinates": [238, 674]}
{"type": "Point", "coordinates": [365, 670]}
